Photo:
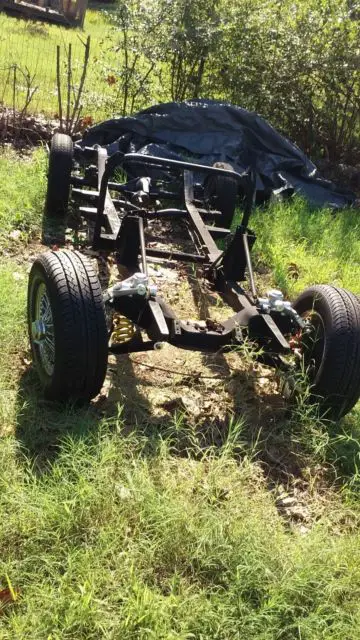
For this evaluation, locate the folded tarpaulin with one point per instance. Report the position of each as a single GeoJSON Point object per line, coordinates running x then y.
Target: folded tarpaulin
{"type": "Point", "coordinates": [208, 131]}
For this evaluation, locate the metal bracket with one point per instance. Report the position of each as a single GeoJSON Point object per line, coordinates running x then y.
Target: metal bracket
{"type": "Point", "coordinates": [158, 316]}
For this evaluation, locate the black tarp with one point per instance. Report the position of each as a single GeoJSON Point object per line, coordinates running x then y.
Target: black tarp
{"type": "Point", "coordinates": [208, 131]}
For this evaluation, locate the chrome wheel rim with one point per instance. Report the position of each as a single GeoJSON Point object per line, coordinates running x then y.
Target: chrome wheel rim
{"type": "Point", "coordinates": [313, 343]}
{"type": "Point", "coordinates": [42, 330]}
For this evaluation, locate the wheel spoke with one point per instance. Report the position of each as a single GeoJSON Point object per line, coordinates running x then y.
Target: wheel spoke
{"type": "Point", "coordinates": [44, 330]}
{"type": "Point", "coordinates": [50, 346]}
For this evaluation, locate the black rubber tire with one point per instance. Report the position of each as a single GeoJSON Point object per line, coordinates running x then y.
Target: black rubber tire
{"type": "Point", "coordinates": [220, 193]}
{"type": "Point", "coordinates": [59, 176]}
{"type": "Point", "coordinates": [336, 365]}
{"type": "Point", "coordinates": [79, 325]}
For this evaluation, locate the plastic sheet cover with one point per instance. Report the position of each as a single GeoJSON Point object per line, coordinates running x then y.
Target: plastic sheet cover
{"type": "Point", "coordinates": [208, 131]}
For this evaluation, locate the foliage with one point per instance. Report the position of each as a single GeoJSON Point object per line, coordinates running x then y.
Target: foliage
{"type": "Point", "coordinates": [296, 64]}
{"type": "Point", "coordinates": [190, 34]}
{"type": "Point", "coordinates": [32, 47]}
{"type": "Point", "coordinates": [72, 99]}
{"type": "Point", "coordinates": [135, 43]}
{"type": "Point", "coordinates": [163, 50]}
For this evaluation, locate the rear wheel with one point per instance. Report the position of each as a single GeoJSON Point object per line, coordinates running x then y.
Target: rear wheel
{"type": "Point", "coordinates": [59, 176]}
{"type": "Point", "coordinates": [220, 193]}
{"type": "Point", "coordinates": [331, 347]}
{"type": "Point", "coordinates": [67, 326]}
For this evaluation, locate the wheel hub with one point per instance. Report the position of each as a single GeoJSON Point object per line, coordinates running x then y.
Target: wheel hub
{"type": "Point", "coordinates": [38, 330]}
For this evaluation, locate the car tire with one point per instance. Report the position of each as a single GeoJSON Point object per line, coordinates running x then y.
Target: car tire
{"type": "Point", "coordinates": [220, 193]}
{"type": "Point", "coordinates": [331, 351]}
{"type": "Point", "coordinates": [59, 176]}
{"type": "Point", "coordinates": [67, 326]}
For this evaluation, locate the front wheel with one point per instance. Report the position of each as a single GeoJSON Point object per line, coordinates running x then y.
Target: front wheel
{"type": "Point", "coordinates": [331, 347]}
{"type": "Point", "coordinates": [67, 326]}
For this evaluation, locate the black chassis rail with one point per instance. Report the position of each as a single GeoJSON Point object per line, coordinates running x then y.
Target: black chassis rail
{"type": "Point", "coordinates": [123, 232]}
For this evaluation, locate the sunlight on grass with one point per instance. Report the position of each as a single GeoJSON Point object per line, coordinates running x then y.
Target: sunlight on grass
{"type": "Point", "coordinates": [22, 189]}
{"type": "Point", "coordinates": [13, 341]}
{"type": "Point", "coordinates": [114, 542]}
{"type": "Point", "coordinates": [32, 46]}
{"type": "Point", "coordinates": [110, 535]}
{"type": "Point", "coordinates": [115, 530]}
{"type": "Point", "coordinates": [304, 246]}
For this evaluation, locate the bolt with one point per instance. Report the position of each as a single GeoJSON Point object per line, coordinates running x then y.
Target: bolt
{"type": "Point", "coordinates": [152, 290]}
{"type": "Point", "coordinates": [141, 290]}
{"type": "Point", "coordinates": [140, 277]}
{"type": "Point", "coordinates": [278, 305]}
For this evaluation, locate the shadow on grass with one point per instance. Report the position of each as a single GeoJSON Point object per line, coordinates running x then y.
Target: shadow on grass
{"type": "Point", "coordinates": [258, 427]}
{"type": "Point", "coordinates": [259, 424]}
{"type": "Point", "coordinates": [261, 428]}
{"type": "Point", "coordinates": [41, 425]}
{"type": "Point", "coordinates": [111, 7]}
{"type": "Point", "coordinates": [265, 414]}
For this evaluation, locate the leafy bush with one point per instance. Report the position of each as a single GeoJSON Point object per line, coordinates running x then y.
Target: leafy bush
{"type": "Point", "coordinates": [295, 63]}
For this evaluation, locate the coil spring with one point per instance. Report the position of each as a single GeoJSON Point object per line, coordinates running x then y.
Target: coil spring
{"type": "Point", "coordinates": [123, 329]}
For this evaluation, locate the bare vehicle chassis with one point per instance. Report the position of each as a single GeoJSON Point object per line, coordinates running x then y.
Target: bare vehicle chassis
{"type": "Point", "coordinates": [74, 320]}
{"type": "Point", "coordinates": [118, 226]}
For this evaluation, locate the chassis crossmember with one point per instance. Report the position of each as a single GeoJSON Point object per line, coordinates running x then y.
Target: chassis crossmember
{"type": "Point", "coordinates": [119, 225]}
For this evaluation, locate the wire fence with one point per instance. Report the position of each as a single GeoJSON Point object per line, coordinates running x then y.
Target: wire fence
{"type": "Point", "coordinates": [37, 69]}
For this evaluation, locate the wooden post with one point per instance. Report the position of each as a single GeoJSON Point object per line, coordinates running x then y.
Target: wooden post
{"type": "Point", "coordinates": [58, 80]}
{"type": "Point", "coordinates": [76, 109]}
{"type": "Point", "coordinates": [68, 78]}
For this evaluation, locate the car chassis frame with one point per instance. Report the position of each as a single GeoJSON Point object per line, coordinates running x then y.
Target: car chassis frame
{"type": "Point", "coordinates": [119, 226]}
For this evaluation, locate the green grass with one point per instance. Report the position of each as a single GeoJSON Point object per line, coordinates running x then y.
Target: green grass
{"type": "Point", "coordinates": [120, 539]}
{"type": "Point", "coordinates": [304, 246]}
{"type": "Point", "coordinates": [12, 340]}
{"type": "Point", "coordinates": [22, 188]}
{"type": "Point", "coordinates": [114, 530]}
